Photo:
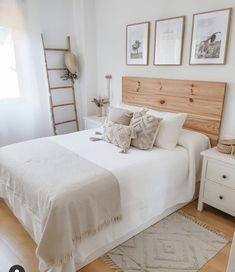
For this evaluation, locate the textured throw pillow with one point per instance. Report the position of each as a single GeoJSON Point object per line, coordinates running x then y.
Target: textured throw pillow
{"type": "Point", "coordinates": [120, 116]}
{"type": "Point", "coordinates": [146, 127]}
{"type": "Point", "coordinates": [170, 128]}
{"type": "Point", "coordinates": [119, 135]}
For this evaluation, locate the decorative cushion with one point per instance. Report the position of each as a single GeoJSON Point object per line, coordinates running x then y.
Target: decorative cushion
{"type": "Point", "coordinates": [170, 128]}
{"type": "Point", "coordinates": [119, 135]}
{"type": "Point", "coordinates": [120, 116]}
{"type": "Point", "coordinates": [146, 127]}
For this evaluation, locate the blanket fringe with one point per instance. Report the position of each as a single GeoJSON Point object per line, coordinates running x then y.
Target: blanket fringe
{"type": "Point", "coordinates": [89, 233]}
{"type": "Point", "coordinates": [64, 259]}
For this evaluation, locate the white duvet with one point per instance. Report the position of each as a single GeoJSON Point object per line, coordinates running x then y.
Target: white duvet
{"type": "Point", "coordinates": [150, 182]}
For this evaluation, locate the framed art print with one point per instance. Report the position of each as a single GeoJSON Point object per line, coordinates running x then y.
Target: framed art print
{"type": "Point", "coordinates": [169, 34]}
{"type": "Point", "coordinates": [210, 37]}
{"type": "Point", "coordinates": [137, 44]}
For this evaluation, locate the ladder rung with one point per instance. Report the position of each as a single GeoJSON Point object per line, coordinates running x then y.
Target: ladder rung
{"type": "Point", "coordinates": [62, 105]}
{"type": "Point", "coordinates": [62, 87]}
{"type": "Point", "coordinates": [60, 123]}
{"type": "Point", "coordinates": [57, 69]}
{"type": "Point", "coordinates": [56, 49]}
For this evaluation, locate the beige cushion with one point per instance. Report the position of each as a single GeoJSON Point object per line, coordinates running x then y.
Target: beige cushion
{"type": "Point", "coordinates": [119, 135]}
{"type": "Point", "coordinates": [120, 116]}
{"type": "Point", "coordinates": [146, 127]}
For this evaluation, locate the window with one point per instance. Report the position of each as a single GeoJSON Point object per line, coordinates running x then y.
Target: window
{"type": "Point", "coordinates": [9, 86]}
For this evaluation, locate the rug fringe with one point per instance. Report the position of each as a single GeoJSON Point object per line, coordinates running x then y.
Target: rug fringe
{"type": "Point", "coordinates": [110, 263]}
{"type": "Point", "coordinates": [205, 225]}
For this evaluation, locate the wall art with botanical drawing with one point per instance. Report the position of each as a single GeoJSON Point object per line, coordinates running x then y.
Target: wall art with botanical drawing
{"type": "Point", "coordinates": [137, 44]}
{"type": "Point", "coordinates": [210, 37]}
{"type": "Point", "coordinates": [169, 41]}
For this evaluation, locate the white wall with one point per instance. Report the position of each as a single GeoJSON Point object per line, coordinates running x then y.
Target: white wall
{"type": "Point", "coordinates": [74, 18]}
{"type": "Point", "coordinates": [85, 38]}
{"type": "Point", "coordinates": [111, 20]}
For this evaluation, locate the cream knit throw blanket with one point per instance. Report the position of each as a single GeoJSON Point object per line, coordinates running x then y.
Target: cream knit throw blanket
{"type": "Point", "coordinates": [71, 197]}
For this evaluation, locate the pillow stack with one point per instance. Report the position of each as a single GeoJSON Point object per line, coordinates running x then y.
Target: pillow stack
{"type": "Point", "coordinates": [143, 128]}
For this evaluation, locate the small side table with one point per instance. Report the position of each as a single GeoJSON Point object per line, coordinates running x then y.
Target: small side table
{"type": "Point", "coordinates": [217, 181]}
{"type": "Point", "coordinates": [93, 121]}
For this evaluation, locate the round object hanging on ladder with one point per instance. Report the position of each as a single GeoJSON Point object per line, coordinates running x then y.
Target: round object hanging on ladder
{"type": "Point", "coordinates": [71, 62]}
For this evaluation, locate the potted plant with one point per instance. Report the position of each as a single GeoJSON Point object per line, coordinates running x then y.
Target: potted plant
{"type": "Point", "coordinates": [100, 102]}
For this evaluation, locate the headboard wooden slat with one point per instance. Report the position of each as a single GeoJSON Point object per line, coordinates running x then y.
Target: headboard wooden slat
{"type": "Point", "coordinates": [202, 100]}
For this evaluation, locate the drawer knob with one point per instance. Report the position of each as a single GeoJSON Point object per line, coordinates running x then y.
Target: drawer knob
{"type": "Point", "coordinates": [224, 176]}
{"type": "Point", "coordinates": [221, 197]}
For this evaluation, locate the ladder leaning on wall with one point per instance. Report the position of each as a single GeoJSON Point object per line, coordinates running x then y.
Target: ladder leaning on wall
{"type": "Point", "coordinates": [50, 88]}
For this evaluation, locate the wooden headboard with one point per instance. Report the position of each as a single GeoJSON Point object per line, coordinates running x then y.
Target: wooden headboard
{"type": "Point", "coordinates": [203, 101]}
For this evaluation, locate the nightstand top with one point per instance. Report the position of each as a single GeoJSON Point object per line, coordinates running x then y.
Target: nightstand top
{"type": "Point", "coordinates": [95, 118]}
{"type": "Point", "coordinates": [213, 153]}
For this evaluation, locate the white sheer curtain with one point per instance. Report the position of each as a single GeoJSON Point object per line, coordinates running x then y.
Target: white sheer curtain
{"type": "Point", "coordinates": [24, 112]}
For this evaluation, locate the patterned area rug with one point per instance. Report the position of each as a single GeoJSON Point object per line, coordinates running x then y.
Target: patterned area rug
{"type": "Point", "coordinates": [178, 243]}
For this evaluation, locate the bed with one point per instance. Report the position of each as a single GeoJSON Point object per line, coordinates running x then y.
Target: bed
{"type": "Point", "coordinates": [152, 183]}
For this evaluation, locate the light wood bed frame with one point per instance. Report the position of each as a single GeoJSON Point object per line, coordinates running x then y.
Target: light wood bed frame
{"type": "Point", "coordinates": [202, 100]}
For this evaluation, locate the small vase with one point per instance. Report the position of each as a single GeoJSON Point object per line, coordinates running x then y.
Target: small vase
{"type": "Point", "coordinates": [99, 111]}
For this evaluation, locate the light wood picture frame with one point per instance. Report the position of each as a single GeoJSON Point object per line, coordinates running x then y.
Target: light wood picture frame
{"type": "Point", "coordinates": [210, 35]}
{"type": "Point", "coordinates": [137, 43]}
{"type": "Point", "coordinates": [169, 40]}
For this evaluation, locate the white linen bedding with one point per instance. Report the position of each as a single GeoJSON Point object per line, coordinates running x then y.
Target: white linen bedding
{"type": "Point", "coordinates": [150, 182]}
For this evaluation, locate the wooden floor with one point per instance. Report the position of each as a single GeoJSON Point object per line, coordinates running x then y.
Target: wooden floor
{"type": "Point", "coordinates": [16, 246]}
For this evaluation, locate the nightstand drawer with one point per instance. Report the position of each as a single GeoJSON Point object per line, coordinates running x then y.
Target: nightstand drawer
{"type": "Point", "coordinates": [220, 195]}
{"type": "Point", "coordinates": [221, 173]}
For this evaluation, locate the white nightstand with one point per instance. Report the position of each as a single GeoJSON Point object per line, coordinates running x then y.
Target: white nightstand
{"type": "Point", "coordinates": [93, 121]}
{"type": "Point", "coordinates": [217, 181]}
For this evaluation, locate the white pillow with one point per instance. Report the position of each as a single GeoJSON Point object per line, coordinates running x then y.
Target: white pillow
{"type": "Point", "coordinates": [170, 128]}
{"type": "Point", "coordinates": [129, 107]}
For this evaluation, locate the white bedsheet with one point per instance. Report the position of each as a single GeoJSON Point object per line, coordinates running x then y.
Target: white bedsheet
{"type": "Point", "coordinates": [150, 182]}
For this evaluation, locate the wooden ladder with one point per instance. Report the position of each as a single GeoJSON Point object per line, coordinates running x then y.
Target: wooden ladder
{"type": "Point", "coordinates": [50, 88]}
